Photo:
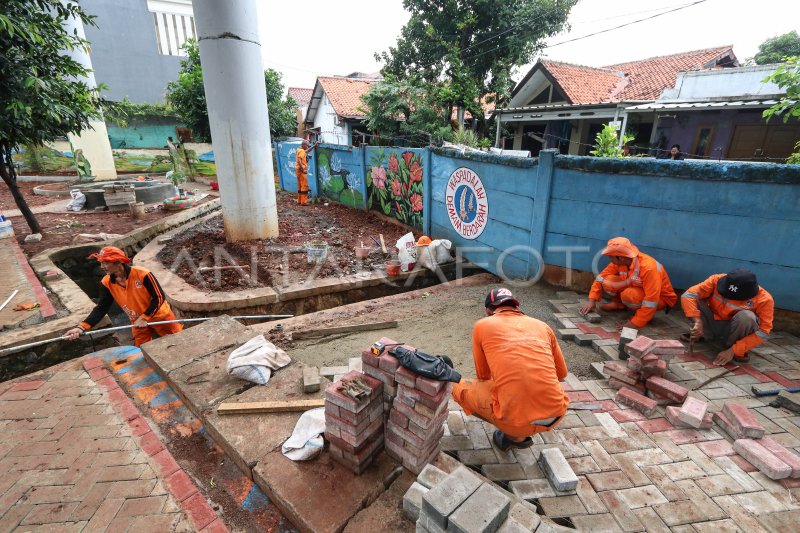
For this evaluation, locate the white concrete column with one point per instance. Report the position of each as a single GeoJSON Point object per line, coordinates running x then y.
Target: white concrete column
{"type": "Point", "coordinates": [94, 140]}
{"type": "Point", "coordinates": [230, 52]}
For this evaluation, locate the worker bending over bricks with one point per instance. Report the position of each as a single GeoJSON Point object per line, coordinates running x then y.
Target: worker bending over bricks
{"type": "Point", "coordinates": [634, 281]}
{"type": "Point", "coordinates": [519, 365]}
{"type": "Point", "coordinates": [733, 309]}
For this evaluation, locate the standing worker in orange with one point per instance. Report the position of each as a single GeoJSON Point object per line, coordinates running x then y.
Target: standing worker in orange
{"type": "Point", "coordinates": [519, 365]}
{"type": "Point", "coordinates": [635, 281]}
{"type": "Point", "coordinates": [732, 308]}
{"type": "Point", "coordinates": [301, 169]}
{"type": "Point", "coordinates": [136, 291]}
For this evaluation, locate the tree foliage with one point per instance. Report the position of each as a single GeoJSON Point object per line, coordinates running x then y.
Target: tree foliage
{"type": "Point", "coordinates": [777, 49]}
{"type": "Point", "coordinates": [470, 46]}
{"type": "Point", "coordinates": [607, 144]}
{"type": "Point", "coordinates": [187, 97]}
{"type": "Point", "coordinates": [43, 94]}
{"type": "Point", "coordinates": [786, 77]}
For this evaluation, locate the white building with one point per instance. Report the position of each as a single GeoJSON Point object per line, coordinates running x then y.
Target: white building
{"type": "Point", "coordinates": [335, 114]}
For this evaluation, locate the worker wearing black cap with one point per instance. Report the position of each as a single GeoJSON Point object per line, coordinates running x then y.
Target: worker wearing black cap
{"type": "Point", "coordinates": [732, 308]}
{"type": "Point", "coordinates": [519, 365]}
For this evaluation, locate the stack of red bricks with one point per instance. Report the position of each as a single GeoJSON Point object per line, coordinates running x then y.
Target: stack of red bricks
{"type": "Point", "coordinates": [383, 367]}
{"type": "Point", "coordinates": [354, 428]}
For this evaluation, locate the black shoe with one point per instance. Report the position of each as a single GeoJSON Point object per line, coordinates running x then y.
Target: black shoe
{"type": "Point", "coordinates": [739, 360]}
{"type": "Point", "coordinates": [504, 443]}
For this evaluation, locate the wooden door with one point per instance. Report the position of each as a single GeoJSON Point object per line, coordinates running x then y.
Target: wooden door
{"type": "Point", "coordinates": [780, 141]}
{"type": "Point", "coordinates": [747, 142]}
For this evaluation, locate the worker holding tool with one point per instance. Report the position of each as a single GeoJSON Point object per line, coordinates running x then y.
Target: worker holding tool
{"type": "Point", "coordinates": [136, 291]}
{"type": "Point", "coordinates": [301, 169]}
{"type": "Point", "coordinates": [733, 308]}
{"type": "Point", "coordinates": [519, 365]}
{"type": "Point", "coordinates": [634, 281]}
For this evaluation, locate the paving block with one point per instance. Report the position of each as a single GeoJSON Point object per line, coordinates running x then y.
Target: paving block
{"type": "Point", "coordinates": [594, 318]}
{"type": "Point", "coordinates": [599, 370]}
{"type": "Point", "coordinates": [440, 502]}
{"type": "Point", "coordinates": [406, 377]}
{"type": "Point", "coordinates": [524, 515]}
{"type": "Point", "coordinates": [727, 426]}
{"type": "Point", "coordinates": [585, 339]}
{"type": "Point", "coordinates": [669, 347]}
{"type": "Point", "coordinates": [660, 400]}
{"type": "Point", "coordinates": [482, 512]}
{"type": "Point", "coordinates": [633, 399]}
{"type": "Point", "coordinates": [626, 336]}
{"type": "Point", "coordinates": [311, 379]}
{"type": "Point", "coordinates": [557, 469]}
{"type": "Point", "coordinates": [567, 334]}
{"type": "Point", "coordinates": [431, 476]}
{"type": "Point", "coordinates": [658, 369]}
{"type": "Point", "coordinates": [693, 411]}
{"type": "Point", "coordinates": [412, 500]}
{"type": "Point", "coordinates": [634, 363]}
{"type": "Point", "coordinates": [667, 388]}
{"type": "Point", "coordinates": [369, 358]}
{"type": "Point", "coordinates": [331, 371]}
{"type": "Point", "coordinates": [599, 344]}
{"type": "Point", "coordinates": [355, 363]}
{"type": "Point", "coordinates": [431, 387]}
{"type": "Point", "coordinates": [788, 400]}
{"type": "Point", "coordinates": [672, 416]}
{"type": "Point", "coordinates": [743, 420]}
{"type": "Point", "coordinates": [640, 346]}
{"type": "Point", "coordinates": [609, 353]}
{"type": "Point", "coordinates": [627, 375]}
{"type": "Point", "coordinates": [614, 383]}
{"type": "Point", "coordinates": [762, 458]}
{"type": "Point", "coordinates": [782, 453]}
{"type": "Point", "coordinates": [565, 323]}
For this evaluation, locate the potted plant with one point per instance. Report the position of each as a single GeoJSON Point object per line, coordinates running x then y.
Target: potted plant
{"type": "Point", "coordinates": [177, 178]}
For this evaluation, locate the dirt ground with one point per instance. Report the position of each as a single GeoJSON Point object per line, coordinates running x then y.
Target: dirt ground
{"type": "Point", "coordinates": [26, 187]}
{"type": "Point", "coordinates": [439, 323]}
{"type": "Point", "coordinates": [342, 228]}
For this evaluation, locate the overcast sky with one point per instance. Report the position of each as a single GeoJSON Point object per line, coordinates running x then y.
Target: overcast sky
{"type": "Point", "coordinates": [315, 37]}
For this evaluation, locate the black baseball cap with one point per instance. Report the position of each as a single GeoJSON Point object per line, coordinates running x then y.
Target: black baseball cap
{"type": "Point", "coordinates": [739, 284]}
{"type": "Point", "coordinates": [500, 296]}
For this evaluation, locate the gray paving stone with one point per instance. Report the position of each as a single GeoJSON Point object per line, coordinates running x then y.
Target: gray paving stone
{"type": "Point", "coordinates": [431, 476]}
{"type": "Point", "coordinates": [483, 512]}
{"type": "Point", "coordinates": [585, 339]}
{"type": "Point", "coordinates": [558, 470]}
{"type": "Point", "coordinates": [412, 500]}
{"type": "Point", "coordinates": [477, 457]}
{"type": "Point", "coordinates": [503, 472]}
{"type": "Point", "coordinates": [426, 523]}
{"type": "Point", "coordinates": [454, 443]}
{"type": "Point", "coordinates": [455, 422]}
{"type": "Point", "coordinates": [440, 502]}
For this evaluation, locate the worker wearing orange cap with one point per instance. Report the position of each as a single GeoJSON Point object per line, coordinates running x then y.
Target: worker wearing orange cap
{"type": "Point", "coordinates": [519, 364]}
{"type": "Point", "coordinates": [136, 291]}
{"type": "Point", "coordinates": [634, 281]}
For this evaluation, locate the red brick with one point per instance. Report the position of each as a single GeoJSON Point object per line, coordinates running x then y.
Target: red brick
{"type": "Point", "coordinates": [743, 463]}
{"type": "Point", "coordinates": [655, 425]}
{"type": "Point", "coordinates": [200, 513]}
{"type": "Point", "coordinates": [151, 443]}
{"type": "Point", "coordinates": [649, 359]}
{"type": "Point", "coordinates": [614, 383]}
{"type": "Point", "coordinates": [357, 419]}
{"type": "Point", "coordinates": [356, 430]}
{"type": "Point", "coordinates": [98, 373]}
{"type": "Point", "coordinates": [660, 400]}
{"type": "Point", "coordinates": [669, 347]}
{"type": "Point", "coordinates": [727, 426]}
{"type": "Point", "coordinates": [431, 387]}
{"type": "Point", "coordinates": [142, 506]}
{"type": "Point", "coordinates": [369, 358]}
{"type": "Point", "coordinates": [398, 419]}
{"type": "Point", "coordinates": [27, 385]}
{"type": "Point", "coordinates": [406, 377]}
{"type": "Point", "coordinates": [672, 415]}
{"type": "Point", "coordinates": [336, 397]}
{"type": "Point", "coordinates": [139, 425]}
{"type": "Point", "coordinates": [762, 458]}
{"type": "Point", "coordinates": [666, 388]}
{"type": "Point", "coordinates": [779, 451]}
{"type": "Point", "coordinates": [640, 346]}
{"type": "Point", "coordinates": [658, 369]}
{"type": "Point", "coordinates": [779, 378]}
{"type": "Point", "coordinates": [180, 485]}
{"type": "Point", "coordinates": [716, 448]}
{"type": "Point", "coordinates": [635, 364]}
{"type": "Point", "coordinates": [693, 411]}
{"type": "Point", "coordinates": [388, 363]}
{"type": "Point", "coordinates": [743, 420]}
{"type": "Point", "coordinates": [635, 400]}
{"type": "Point", "coordinates": [415, 416]}
{"type": "Point", "coordinates": [165, 463]}
{"type": "Point", "coordinates": [685, 436]}
{"type": "Point", "coordinates": [108, 382]}
{"type": "Point", "coordinates": [217, 526]}
{"type": "Point", "coordinates": [434, 402]}
{"type": "Point", "coordinates": [581, 396]}
{"type": "Point", "coordinates": [627, 415]}
{"type": "Point", "coordinates": [376, 373]}
{"type": "Point", "coordinates": [91, 363]}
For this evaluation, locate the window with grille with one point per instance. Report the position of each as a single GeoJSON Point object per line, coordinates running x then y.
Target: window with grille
{"type": "Point", "coordinates": [172, 31]}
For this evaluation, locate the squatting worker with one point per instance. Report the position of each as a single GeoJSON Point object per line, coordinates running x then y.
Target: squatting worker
{"type": "Point", "coordinates": [519, 365]}
{"type": "Point", "coordinates": [136, 291]}
{"type": "Point", "coordinates": [732, 308]}
{"type": "Point", "coordinates": [634, 281]}
{"type": "Point", "coordinates": [301, 169]}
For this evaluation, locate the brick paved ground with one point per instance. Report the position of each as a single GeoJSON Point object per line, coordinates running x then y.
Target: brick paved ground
{"type": "Point", "coordinates": [75, 455]}
{"type": "Point", "coordinates": [639, 473]}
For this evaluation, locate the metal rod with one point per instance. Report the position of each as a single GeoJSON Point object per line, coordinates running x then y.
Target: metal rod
{"type": "Point", "coordinates": [9, 299]}
{"type": "Point", "coordinates": [21, 347]}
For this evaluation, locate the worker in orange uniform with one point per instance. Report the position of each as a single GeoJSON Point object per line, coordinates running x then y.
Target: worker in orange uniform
{"type": "Point", "coordinates": [634, 281]}
{"type": "Point", "coordinates": [732, 308]}
{"type": "Point", "coordinates": [136, 291]}
{"type": "Point", "coordinates": [301, 169]}
{"type": "Point", "coordinates": [519, 365]}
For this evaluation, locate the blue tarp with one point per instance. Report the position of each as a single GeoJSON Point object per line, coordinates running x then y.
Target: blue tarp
{"type": "Point", "coordinates": [208, 156]}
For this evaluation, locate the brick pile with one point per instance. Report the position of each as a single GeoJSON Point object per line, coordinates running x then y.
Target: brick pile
{"type": "Point", "coordinates": [383, 367]}
{"type": "Point", "coordinates": [354, 428]}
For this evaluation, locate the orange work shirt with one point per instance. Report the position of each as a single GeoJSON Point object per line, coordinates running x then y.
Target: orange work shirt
{"type": "Point", "coordinates": [135, 299]}
{"type": "Point", "coordinates": [724, 309]}
{"type": "Point", "coordinates": [522, 357]}
{"type": "Point", "coordinates": [301, 163]}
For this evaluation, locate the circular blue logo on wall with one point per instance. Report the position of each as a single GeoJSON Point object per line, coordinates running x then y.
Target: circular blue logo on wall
{"type": "Point", "coordinates": [466, 203]}
{"type": "Point", "coordinates": [465, 200]}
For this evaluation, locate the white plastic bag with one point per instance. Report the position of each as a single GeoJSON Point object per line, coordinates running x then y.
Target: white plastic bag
{"type": "Point", "coordinates": [407, 251]}
{"type": "Point", "coordinates": [306, 441]}
{"type": "Point", "coordinates": [77, 202]}
{"type": "Point", "coordinates": [255, 360]}
{"type": "Point", "coordinates": [435, 254]}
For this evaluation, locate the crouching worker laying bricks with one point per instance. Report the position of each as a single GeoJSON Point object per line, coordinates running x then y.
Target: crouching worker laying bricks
{"type": "Point", "coordinates": [519, 365]}
{"type": "Point", "coordinates": [136, 291]}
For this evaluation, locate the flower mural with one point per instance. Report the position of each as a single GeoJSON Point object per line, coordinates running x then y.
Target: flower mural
{"type": "Point", "coordinates": [394, 184]}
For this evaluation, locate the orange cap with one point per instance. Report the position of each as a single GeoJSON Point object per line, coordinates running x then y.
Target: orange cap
{"type": "Point", "coordinates": [620, 246]}
{"type": "Point", "coordinates": [111, 254]}
{"type": "Point", "coordinates": [424, 241]}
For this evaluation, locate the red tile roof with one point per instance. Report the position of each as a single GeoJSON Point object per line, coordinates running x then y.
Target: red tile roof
{"type": "Point", "coordinates": [345, 94]}
{"type": "Point", "coordinates": [301, 95]}
{"type": "Point", "coordinates": [636, 80]}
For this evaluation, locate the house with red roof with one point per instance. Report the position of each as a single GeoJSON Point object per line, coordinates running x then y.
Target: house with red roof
{"type": "Point", "coordinates": [302, 96]}
{"type": "Point", "coordinates": [562, 105]}
{"type": "Point", "coordinates": [335, 113]}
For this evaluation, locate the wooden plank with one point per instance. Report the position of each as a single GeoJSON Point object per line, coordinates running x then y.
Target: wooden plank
{"type": "Point", "coordinates": [246, 408]}
{"type": "Point", "coordinates": [370, 326]}
{"type": "Point", "coordinates": [383, 244]}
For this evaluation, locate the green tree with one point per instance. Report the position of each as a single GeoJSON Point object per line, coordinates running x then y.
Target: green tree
{"type": "Point", "coordinates": [187, 97]}
{"type": "Point", "coordinates": [472, 45]}
{"type": "Point", "coordinates": [607, 144]}
{"type": "Point", "coordinates": [41, 92]}
{"type": "Point", "coordinates": [777, 49]}
{"type": "Point", "coordinates": [787, 77]}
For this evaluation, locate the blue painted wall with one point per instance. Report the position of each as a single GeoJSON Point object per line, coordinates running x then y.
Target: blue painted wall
{"type": "Point", "coordinates": [141, 135]}
{"type": "Point", "coordinates": [285, 152]}
{"type": "Point", "coordinates": [395, 180]}
{"type": "Point", "coordinates": [340, 172]}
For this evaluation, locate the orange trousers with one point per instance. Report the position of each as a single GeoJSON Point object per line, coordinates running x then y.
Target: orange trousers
{"type": "Point", "coordinates": [302, 189]}
{"type": "Point", "coordinates": [143, 335]}
{"type": "Point", "coordinates": [475, 397]}
{"type": "Point", "coordinates": [631, 296]}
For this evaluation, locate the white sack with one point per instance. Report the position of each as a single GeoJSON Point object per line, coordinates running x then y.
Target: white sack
{"type": "Point", "coordinates": [306, 441]}
{"type": "Point", "coordinates": [255, 360]}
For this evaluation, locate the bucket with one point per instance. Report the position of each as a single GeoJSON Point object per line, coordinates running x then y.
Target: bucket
{"type": "Point", "coordinates": [316, 252]}
{"type": "Point", "coordinates": [392, 267]}
{"type": "Point", "coordinates": [137, 210]}
{"type": "Point", "coordinates": [362, 252]}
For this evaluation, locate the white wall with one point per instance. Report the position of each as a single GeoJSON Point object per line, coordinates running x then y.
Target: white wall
{"type": "Point", "coordinates": [325, 120]}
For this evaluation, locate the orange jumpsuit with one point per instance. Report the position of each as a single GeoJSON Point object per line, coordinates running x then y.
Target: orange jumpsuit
{"type": "Point", "coordinates": [645, 287]}
{"type": "Point", "coordinates": [141, 296]}
{"type": "Point", "coordinates": [301, 169]}
{"type": "Point", "coordinates": [724, 309]}
{"type": "Point", "coordinates": [519, 365]}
